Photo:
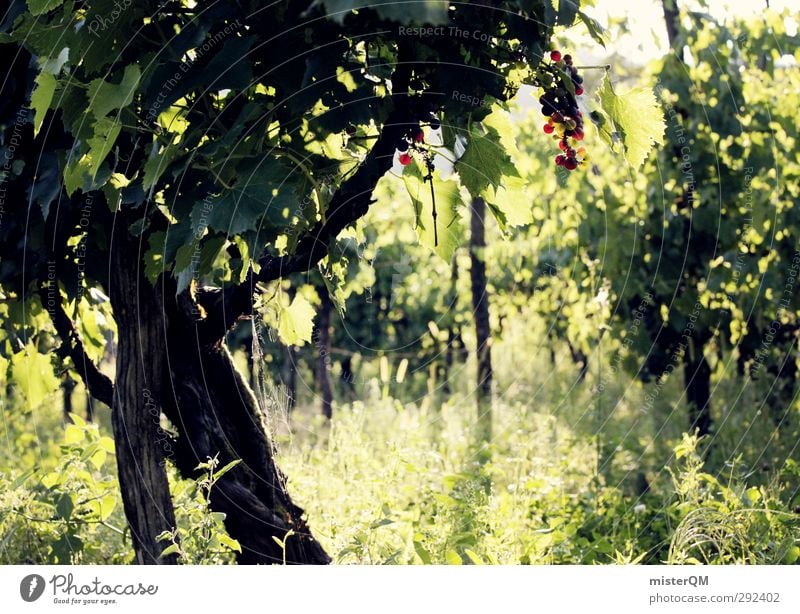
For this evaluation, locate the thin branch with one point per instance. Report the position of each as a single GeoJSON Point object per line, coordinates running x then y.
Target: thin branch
{"type": "Point", "coordinates": [98, 384]}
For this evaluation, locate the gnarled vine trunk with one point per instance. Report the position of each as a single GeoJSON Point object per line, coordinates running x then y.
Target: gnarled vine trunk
{"type": "Point", "coordinates": [480, 307]}
{"type": "Point", "coordinates": [161, 366]}
{"type": "Point", "coordinates": [136, 404]}
{"type": "Point", "coordinates": [216, 413]}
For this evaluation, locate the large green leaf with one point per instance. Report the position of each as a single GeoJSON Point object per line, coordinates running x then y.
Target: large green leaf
{"type": "Point", "coordinates": [105, 97]}
{"type": "Point", "coordinates": [487, 169]}
{"type": "Point", "coordinates": [41, 97]}
{"type": "Point", "coordinates": [567, 10]}
{"type": "Point", "coordinates": [40, 7]}
{"type": "Point", "coordinates": [81, 173]}
{"type": "Point", "coordinates": [447, 197]}
{"type": "Point", "coordinates": [266, 197]}
{"type": "Point", "coordinates": [34, 375]}
{"type": "Point", "coordinates": [158, 162]}
{"type": "Point", "coordinates": [596, 31]}
{"type": "Point", "coordinates": [296, 321]}
{"type": "Point", "coordinates": [635, 118]}
{"type": "Point", "coordinates": [509, 202]}
{"type": "Point", "coordinates": [485, 161]}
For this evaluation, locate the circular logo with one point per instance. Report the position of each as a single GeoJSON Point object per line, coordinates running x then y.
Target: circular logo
{"type": "Point", "coordinates": [31, 587]}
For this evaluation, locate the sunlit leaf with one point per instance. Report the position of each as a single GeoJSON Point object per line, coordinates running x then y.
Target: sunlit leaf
{"type": "Point", "coordinates": [41, 98]}
{"type": "Point", "coordinates": [34, 376]}
{"type": "Point", "coordinates": [296, 322]}
{"type": "Point", "coordinates": [636, 118]}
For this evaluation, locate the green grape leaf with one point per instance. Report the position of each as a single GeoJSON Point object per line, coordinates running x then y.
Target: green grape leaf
{"type": "Point", "coordinates": [266, 197]}
{"type": "Point", "coordinates": [447, 196]}
{"type": "Point", "coordinates": [106, 131]}
{"type": "Point", "coordinates": [158, 162]}
{"type": "Point", "coordinates": [154, 264]}
{"type": "Point", "coordinates": [64, 506]}
{"type": "Point", "coordinates": [509, 203]}
{"type": "Point", "coordinates": [245, 261]}
{"type": "Point", "coordinates": [229, 542]}
{"type": "Point", "coordinates": [422, 553]}
{"type": "Point", "coordinates": [296, 321]}
{"type": "Point", "coordinates": [34, 375]}
{"type": "Point", "coordinates": [635, 117]}
{"type": "Point", "coordinates": [105, 97]}
{"type": "Point", "coordinates": [487, 169]}
{"type": "Point", "coordinates": [65, 547]}
{"type": "Point", "coordinates": [485, 161]}
{"type": "Point", "coordinates": [41, 97]}
{"type": "Point", "coordinates": [596, 31]}
{"type": "Point", "coordinates": [106, 506]}
{"type": "Point", "coordinates": [94, 340]}
{"type": "Point", "coordinates": [567, 10]}
{"type": "Point", "coordinates": [40, 7]}
{"type": "Point", "coordinates": [54, 65]}
{"type": "Point", "coordinates": [195, 260]}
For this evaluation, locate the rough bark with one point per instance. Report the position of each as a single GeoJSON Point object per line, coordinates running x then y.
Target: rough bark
{"type": "Point", "coordinates": [217, 413]}
{"type": "Point", "coordinates": [480, 307]}
{"type": "Point", "coordinates": [322, 343]}
{"type": "Point", "coordinates": [214, 408]}
{"type": "Point", "coordinates": [180, 351]}
{"type": "Point", "coordinates": [135, 411]}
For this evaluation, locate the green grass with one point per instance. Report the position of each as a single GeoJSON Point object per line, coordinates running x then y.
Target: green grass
{"type": "Point", "coordinates": [387, 483]}
{"type": "Point", "coordinates": [573, 474]}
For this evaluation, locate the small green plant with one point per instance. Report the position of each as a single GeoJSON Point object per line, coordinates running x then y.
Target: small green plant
{"type": "Point", "coordinates": [68, 513]}
{"type": "Point", "coordinates": [200, 537]}
{"type": "Point", "coordinates": [727, 521]}
{"type": "Point", "coordinates": [282, 542]}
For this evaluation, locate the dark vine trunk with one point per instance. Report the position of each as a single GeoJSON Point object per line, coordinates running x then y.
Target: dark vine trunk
{"type": "Point", "coordinates": [697, 383]}
{"type": "Point", "coordinates": [217, 414]}
{"type": "Point", "coordinates": [323, 347]}
{"type": "Point", "coordinates": [453, 336]}
{"type": "Point", "coordinates": [480, 306]}
{"type": "Point", "coordinates": [348, 378]}
{"type": "Point", "coordinates": [448, 363]}
{"type": "Point", "coordinates": [135, 411]}
{"type": "Point", "coordinates": [89, 409]}
{"type": "Point", "coordinates": [67, 386]}
{"type": "Point", "coordinates": [580, 359]}
{"type": "Point", "coordinates": [780, 398]}
{"type": "Point", "coordinates": [673, 24]}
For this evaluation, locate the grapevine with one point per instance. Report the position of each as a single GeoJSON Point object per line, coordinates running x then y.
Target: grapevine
{"type": "Point", "coordinates": [414, 141]}
{"type": "Point", "coordinates": [561, 84]}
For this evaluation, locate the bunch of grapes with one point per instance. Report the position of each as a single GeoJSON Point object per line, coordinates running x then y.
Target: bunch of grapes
{"type": "Point", "coordinates": [415, 138]}
{"type": "Point", "coordinates": [560, 106]}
